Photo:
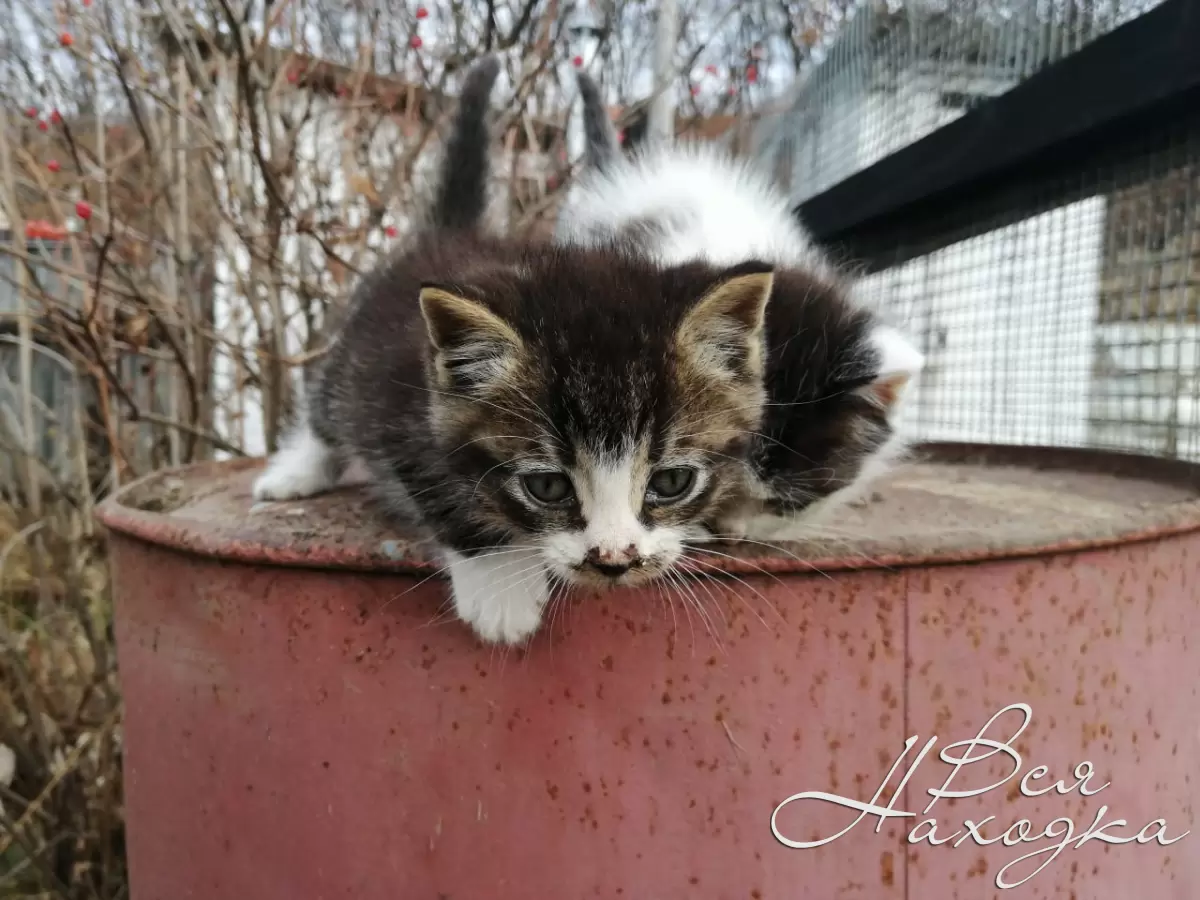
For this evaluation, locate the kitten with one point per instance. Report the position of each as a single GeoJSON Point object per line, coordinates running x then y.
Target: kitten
{"type": "Point", "coordinates": [834, 374]}
{"type": "Point", "coordinates": [571, 415]}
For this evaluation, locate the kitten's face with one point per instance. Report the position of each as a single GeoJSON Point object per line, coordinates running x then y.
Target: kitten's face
{"type": "Point", "coordinates": [603, 420]}
{"type": "Point", "coordinates": [621, 514]}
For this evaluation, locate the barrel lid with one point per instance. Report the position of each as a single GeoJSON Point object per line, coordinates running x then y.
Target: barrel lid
{"type": "Point", "coordinates": [952, 503]}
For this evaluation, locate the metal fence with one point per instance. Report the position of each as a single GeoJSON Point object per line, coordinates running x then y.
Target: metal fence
{"type": "Point", "coordinates": [1042, 239]}
{"type": "Point", "coordinates": [895, 72]}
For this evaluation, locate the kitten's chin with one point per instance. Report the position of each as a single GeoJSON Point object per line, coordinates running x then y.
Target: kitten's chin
{"type": "Point", "coordinates": [585, 577]}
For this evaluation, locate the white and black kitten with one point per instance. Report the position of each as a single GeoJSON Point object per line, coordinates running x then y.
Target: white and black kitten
{"type": "Point", "coordinates": [834, 374]}
{"type": "Point", "coordinates": [551, 414]}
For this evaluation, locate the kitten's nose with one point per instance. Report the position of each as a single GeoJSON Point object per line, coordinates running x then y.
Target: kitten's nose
{"type": "Point", "coordinates": [613, 563]}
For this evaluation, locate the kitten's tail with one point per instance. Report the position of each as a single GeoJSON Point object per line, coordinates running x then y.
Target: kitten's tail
{"type": "Point", "coordinates": [462, 189]}
{"type": "Point", "coordinates": [601, 147]}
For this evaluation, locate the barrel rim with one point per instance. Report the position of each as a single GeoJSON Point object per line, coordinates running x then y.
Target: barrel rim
{"type": "Point", "coordinates": [247, 543]}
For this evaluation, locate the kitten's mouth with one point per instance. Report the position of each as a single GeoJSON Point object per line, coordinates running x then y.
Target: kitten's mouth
{"type": "Point", "coordinates": [585, 574]}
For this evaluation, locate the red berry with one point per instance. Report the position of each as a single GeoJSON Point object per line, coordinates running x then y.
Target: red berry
{"type": "Point", "coordinates": [415, 42]}
{"type": "Point", "coordinates": [31, 112]}
{"type": "Point", "coordinates": [43, 126]}
{"type": "Point", "coordinates": [87, 2]}
{"type": "Point", "coordinates": [390, 231]}
{"type": "Point", "coordinates": [65, 39]}
{"type": "Point", "coordinates": [752, 74]}
{"type": "Point", "coordinates": [56, 117]}
{"type": "Point", "coordinates": [422, 12]}
{"type": "Point", "coordinates": [711, 70]}
{"type": "Point", "coordinates": [83, 209]}
{"type": "Point", "coordinates": [577, 62]}
{"type": "Point", "coordinates": [54, 165]}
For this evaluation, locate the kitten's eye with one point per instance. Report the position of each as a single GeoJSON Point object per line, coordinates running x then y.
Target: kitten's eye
{"type": "Point", "coordinates": [669, 485]}
{"type": "Point", "coordinates": [550, 488]}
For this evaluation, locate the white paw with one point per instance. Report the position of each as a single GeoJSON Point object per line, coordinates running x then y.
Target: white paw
{"type": "Point", "coordinates": [304, 466]}
{"type": "Point", "coordinates": [501, 596]}
{"type": "Point", "coordinates": [280, 482]}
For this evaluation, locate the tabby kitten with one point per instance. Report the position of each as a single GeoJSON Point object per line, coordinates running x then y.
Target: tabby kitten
{"type": "Point", "coordinates": [835, 375]}
{"type": "Point", "coordinates": [570, 415]}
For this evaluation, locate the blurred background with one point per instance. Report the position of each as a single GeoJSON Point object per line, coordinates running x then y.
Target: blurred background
{"type": "Point", "coordinates": [188, 189]}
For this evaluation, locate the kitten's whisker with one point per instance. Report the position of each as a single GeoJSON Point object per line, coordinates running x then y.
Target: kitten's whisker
{"type": "Point", "coordinates": [689, 596]}
{"type": "Point", "coordinates": [720, 572]}
{"type": "Point", "coordinates": [486, 554]}
{"type": "Point", "coordinates": [510, 579]}
{"type": "Point", "coordinates": [703, 585]}
{"type": "Point", "coordinates": [702, 550]}
{"type": "Point", "coordinates": [676, 592]}
{"type": "Point", "coordinates": [665, 598]}
{"type": "Point", "coordinates": [773, 547]}
{"type": "Point", "coordinates": [479, 481]}
{"type": "Point", "coordinates": [733, 538]}
{"type": "Point", "coordinates": [557, 601]}
{"type": "Point", "coordinates": [524, 395]}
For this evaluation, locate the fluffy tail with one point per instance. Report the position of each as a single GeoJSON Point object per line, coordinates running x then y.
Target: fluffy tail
{"type": "Point", "coordinates": [462, 190]}
{"type": "Point", "coordinates": [602, 148]}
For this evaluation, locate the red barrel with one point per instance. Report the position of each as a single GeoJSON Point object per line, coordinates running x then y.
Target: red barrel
{"type": "Point", "coordinates": [304, 719]}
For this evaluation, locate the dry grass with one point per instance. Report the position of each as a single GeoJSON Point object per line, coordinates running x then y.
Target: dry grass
{"type": "Point", "coordinates": [61, 830]}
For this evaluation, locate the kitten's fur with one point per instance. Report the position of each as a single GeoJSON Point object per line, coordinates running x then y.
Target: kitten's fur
{"type": "Point", "coordinates": [473, 373]}
{"type": "Point", "coordinates": [835, 375]}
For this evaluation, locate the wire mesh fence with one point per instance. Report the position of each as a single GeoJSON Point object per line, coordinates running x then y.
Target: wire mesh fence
{"type": "Point", "coordinates": [898, 71]}
{"type": "Point", "coordinates": [1062, 311]}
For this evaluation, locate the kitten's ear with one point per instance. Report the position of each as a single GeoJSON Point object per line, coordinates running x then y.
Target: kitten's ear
{"type": "Point", "coordinates": [473, 345]}
{"type": "Point", "coordinates": [723, 331]}
{"type": "Point", "coordinates": [899, 363]}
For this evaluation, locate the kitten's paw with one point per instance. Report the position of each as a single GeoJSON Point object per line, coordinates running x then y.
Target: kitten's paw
{"type": "Point", "coordinates": [281, 482]}
{"type": "Point", "coordinates": [304, 466]}
{"type": "Point", "coordinates": [501, 596]}
{"type": "Point", "coordinates": [505, 623]}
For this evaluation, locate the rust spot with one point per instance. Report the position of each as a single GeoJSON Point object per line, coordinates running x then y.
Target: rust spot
{"type": "Point", "coordinates": [887, 869]}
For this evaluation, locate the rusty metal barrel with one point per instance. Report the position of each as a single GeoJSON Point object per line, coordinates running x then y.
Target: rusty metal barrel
{"type": "Point", "coordinates": [304, 719]}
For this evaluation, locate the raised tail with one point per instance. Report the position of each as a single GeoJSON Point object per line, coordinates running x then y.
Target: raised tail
{"type": "Point", "coordinates": [462, 188]}
{"type": "Point", "coordinates": [602, 148]}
